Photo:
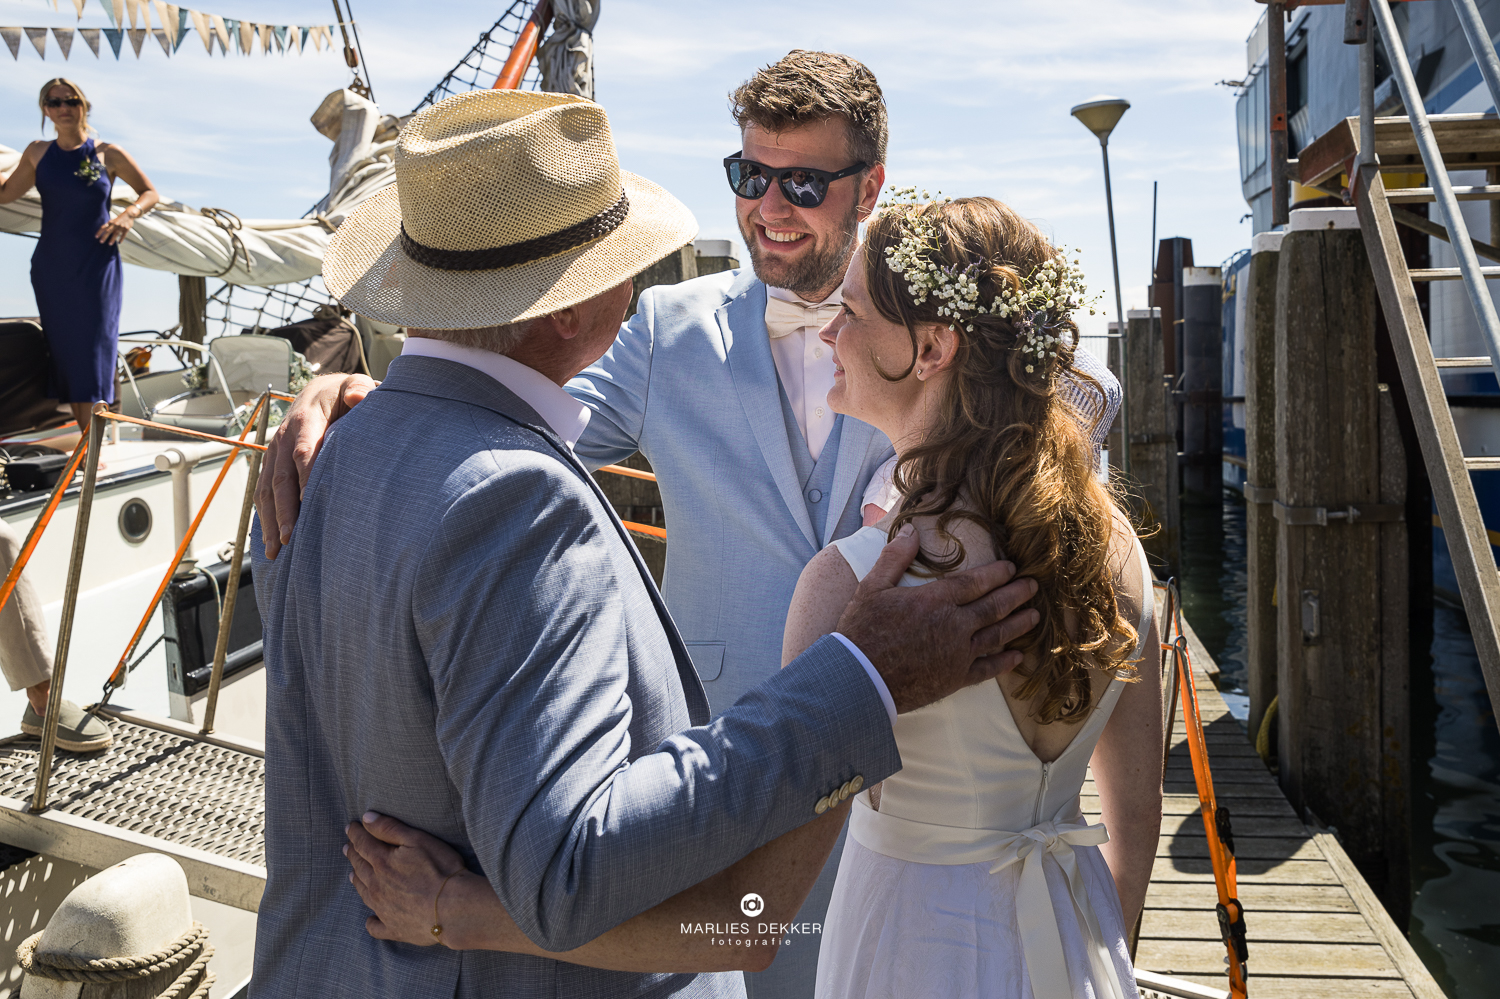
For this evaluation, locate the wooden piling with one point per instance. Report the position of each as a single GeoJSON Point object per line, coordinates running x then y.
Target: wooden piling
{"type": "Point", "coordinates": [1153, 440]}
{"type": "Point", "coordinates": [1260, 476]}
{"type": "Point", "coordinates": [678, 266]}
{"type": "Point", "coordinates": [1202, 382]}
{"type": "Point", "coordinates": [1342, 570]}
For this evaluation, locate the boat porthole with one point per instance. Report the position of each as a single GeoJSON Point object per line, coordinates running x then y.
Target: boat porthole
{"type": "Point", "coordinates": [135, 520]}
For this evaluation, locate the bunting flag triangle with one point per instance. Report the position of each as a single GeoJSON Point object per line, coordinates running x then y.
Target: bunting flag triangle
{"type": "Point", "coordinates": [221, 32]}
{"type": "Point", "coordinates": [163, 41]}
{"type": "Point", "coordinates": [278, 31]}
{"type": "Point", "coordinates": [64, 38]}
{"type": "Point", "coordinates": [137, 37]}
{"type": "Point", "coordinates": [232, 29]}
{"type": "Point", "coordinates": [114, 36]}
{"type": "Point", "coordinates": [12, 38]}
{"type": "Point", "coordinates": [168, 19]}
{"type": "Point", "coordinates": [91, 36]}
{"type": "Point", "coordinates": [109, 10]}
{"type": "Point", "coordinates": [306, 34]}
{"type": "Point", "coordinates": [133, 9]}
{"type": "Point", "coordinates": [38, 38]}
{"type": "Point", "coordinates": [182, 25]}
{"type": "Point", "coordinates": [117, 16]}
{"type": "Point", "coordinates": [247, 37]}
{"type": "Point", "coordinates": [201, 24]}
{"type": "Point", "coordinates": [263, 38]}
{"type": "Point", "coordinates": [78, 5]}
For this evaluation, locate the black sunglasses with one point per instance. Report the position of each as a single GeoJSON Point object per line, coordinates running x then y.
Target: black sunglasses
{"type": "Point", "coordinates": [803, 186]}
{"type": "Point", "coordinates": [57, 102]}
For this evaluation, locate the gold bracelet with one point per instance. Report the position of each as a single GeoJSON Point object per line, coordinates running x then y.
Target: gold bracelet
{"type": "Point", "coordinates": [437, 925]}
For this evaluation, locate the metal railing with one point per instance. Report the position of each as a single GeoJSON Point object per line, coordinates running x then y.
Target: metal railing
{"type": "Point", "coordinates": [89, 448]}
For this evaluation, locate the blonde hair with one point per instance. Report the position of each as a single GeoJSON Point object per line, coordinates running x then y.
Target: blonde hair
{"type": "Point", "coordinates": [1012, 448]}
{"type": "Point", "coordinates": [56, 81]}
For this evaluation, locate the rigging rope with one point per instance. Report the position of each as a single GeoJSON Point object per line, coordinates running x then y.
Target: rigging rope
{"type": "Point", "coordinates": [234, 307]}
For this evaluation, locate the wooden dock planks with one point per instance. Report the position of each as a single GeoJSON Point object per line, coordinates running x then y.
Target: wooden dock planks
{"type": "Point", "coordinates": [1314, 929]}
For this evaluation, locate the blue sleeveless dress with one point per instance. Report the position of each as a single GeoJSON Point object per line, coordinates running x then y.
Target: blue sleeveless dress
{"type": "Point", "coordinates": [77, 279]}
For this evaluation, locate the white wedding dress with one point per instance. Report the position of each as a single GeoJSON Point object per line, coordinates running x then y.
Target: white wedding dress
{"type": "Point", "coordinates": [978, 878]}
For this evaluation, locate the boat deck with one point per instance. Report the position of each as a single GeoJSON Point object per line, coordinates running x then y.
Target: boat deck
{"type": "Point", "coordinates": [1315, 928]}
{"type": "Point", "coordinates": [162, 788]}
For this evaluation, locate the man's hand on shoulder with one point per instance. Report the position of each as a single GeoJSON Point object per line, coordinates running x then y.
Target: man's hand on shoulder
{"type": "Point", "coordinates": [929, 641]}
{"type": "Point", "coordinates": [290, 454]}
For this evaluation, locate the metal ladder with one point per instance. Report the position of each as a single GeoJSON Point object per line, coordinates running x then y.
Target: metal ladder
{"type": "Point", "coordinates": [1447, 467]}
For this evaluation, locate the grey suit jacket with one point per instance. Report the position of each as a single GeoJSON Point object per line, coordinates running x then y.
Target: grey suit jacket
{"type": "Point", "coordinates": [692, 385]}
{"type": "Point", "coordinates": [460, 636]}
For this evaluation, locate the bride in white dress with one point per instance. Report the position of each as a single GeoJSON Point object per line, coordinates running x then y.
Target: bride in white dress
{"type": "Point", "coordinates": [972, 872]}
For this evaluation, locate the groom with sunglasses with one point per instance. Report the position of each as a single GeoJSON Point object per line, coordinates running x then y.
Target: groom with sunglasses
{"type": "Point", "coordinates": [722, 383]}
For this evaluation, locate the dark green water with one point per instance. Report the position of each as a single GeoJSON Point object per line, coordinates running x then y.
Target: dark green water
{"type": "Point", "coordinates": [1455, 923]}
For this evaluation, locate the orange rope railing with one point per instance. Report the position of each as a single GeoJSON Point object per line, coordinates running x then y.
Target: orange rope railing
{"type": "Point", "coordinates": [636, 473]}
{"type": "Point", "coordinates": [71, 469]}
{"type": "Point", "coordinates": [1215, 818]}
{"type": "Point", "coordinates": [633, 473]}
{"type": "Point", "coordinates": [198, 434]}
{"type": "Point", "coordinates": [43, 519]}
{"type": "Point", "coordinates": [117, 678]}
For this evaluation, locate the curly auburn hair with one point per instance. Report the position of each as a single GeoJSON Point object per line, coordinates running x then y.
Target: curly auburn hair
{"type": "Point", "coordinates": [1013, 450]}
{"type": "Point", "coordinates": [807, 87]}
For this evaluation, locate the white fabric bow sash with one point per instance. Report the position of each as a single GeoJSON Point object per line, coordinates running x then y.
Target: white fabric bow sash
{"type": "Point", "coordinates": [785, 318]}
{"type": "Point", "coordinates": [1040, 940]}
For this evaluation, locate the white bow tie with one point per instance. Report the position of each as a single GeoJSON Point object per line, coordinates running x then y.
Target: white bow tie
{"type": "Point", "coordinates": [785, 318]}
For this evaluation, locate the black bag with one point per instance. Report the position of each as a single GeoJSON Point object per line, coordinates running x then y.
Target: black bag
{"type": "Point", "coordinates": [25, 373]}
{"type": "Point", "coordinates": [328, 341]}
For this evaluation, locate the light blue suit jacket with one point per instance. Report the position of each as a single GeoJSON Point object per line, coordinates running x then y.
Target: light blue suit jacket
{"type": "Point", "coordinates": [691, 384]}
{"type": "Point", "coordinates": [461, 636]}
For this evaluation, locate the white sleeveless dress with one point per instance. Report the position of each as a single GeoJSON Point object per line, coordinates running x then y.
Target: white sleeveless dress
{"type": "Point", "coordinates": [978, 878]}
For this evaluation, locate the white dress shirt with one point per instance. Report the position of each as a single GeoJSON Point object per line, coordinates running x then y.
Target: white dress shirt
{"type": "Point", "coordinates": [565, 416]}
{"type": "Point", "coordinates": [805, 366]}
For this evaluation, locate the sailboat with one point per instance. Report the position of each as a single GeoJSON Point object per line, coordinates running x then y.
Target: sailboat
{"type": "Point", "coordinates": [167, 786]}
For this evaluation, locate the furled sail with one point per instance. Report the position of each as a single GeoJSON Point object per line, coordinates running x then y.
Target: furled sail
{"type": "Point", "coordinates": [212, 242]}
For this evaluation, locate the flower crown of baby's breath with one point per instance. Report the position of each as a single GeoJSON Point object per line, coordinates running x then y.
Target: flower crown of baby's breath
{"type": "Point", "coordinates": [1047, 296]}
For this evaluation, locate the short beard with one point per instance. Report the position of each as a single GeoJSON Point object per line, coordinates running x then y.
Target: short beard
{"type": "Point", "coordinates": [810, 276]}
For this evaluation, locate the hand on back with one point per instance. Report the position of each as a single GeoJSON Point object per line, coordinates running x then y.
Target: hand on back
{"type": "Point", "coordinates": [930, 641]}
{"type": "Point", "coordinates": [290, 454]}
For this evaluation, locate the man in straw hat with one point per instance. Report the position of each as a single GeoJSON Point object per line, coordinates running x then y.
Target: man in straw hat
{"type": "Point", "coordinates": [722, 384]}
{"type": "Point", "coordinates": [461, 635]}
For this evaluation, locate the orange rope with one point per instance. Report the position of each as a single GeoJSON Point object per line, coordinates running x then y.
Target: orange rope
{"type": "Point", "coordinates": [117, 677]}
{"type": "Point", "coordinates": [634, 473]}
{"type": "Point", "coordinates": [35, 536]}
{"type": "Point", "coordinates": [655, 532]}
{"type": "Point", "coordinates": [200, 435]}
{"type": "Point", "coordinates": [1231, 914]}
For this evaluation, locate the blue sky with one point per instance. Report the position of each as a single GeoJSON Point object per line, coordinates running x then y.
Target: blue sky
{"type": "Point", "coordinates": [978, 93]}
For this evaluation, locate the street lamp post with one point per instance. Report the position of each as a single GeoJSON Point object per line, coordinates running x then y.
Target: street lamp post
{"type": "Point", "coordinates": [1100, 117]}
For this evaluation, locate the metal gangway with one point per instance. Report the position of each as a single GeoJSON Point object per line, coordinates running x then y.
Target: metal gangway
{"type": "Point", "coordinates": [1363, 150]}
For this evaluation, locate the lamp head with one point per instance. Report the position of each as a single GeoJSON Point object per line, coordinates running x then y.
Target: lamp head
{"type": "Point", "coordinates": [1101, 115]}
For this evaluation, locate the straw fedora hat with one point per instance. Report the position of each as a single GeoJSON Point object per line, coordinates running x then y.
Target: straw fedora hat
{"type": "Point", "coordinates": [507, 205]}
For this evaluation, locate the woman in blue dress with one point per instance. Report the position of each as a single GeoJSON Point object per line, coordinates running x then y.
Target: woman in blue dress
{"type": "Point", "coordinates": [75, 270]}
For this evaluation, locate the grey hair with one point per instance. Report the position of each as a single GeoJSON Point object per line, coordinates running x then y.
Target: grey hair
{"type": "Point", "coordinates": [495, 339]}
